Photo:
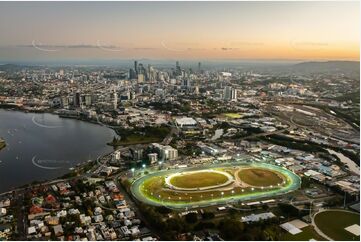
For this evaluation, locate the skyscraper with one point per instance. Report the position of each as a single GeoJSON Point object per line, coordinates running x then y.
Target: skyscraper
{"type": "Point", "coordinates": [178, 70]}
{"type": "Point", "coordinates": [115, 101]}
{"type": "Point", "coordinates": [136, 67]}
{"type": "Point", "coordinates": [229, 93]}
{"type": "Point", "coordinates": [77, 99]}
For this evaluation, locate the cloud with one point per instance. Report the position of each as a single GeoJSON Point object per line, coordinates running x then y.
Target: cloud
{"type": "Point", "coordinates": [227, 49]}
{"type": "Point", "coordinates": [98, 45]}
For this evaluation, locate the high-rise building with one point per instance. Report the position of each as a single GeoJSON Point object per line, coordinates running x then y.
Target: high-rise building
{"type": "Point", "coordinates": [166, 152]}
{"type": "Point", "coordinates": [115, 101]}
{"type": "Point", "coordinates": [196, 90]}
{"type": "Point", "coordinates": [65, 102]}
{"type": "Point", "coordinates": [88, 100]}
{"type": "Point", "coordinates": [234, 94]}
{"type": "Point", "coordinates": [153, 157]}
{"type": "Point", "coordinates": [199, 67]}
{"type": "Point", "coordinates": [141, 69]}
{"type": "Point", "coordinates": [178, 70]}
{"type": "Point", "coordinates": [140, 78]}
{"type": "Point", "coordinates": [76, 100]}
{"type": "Point", "coordinates": [132, 74]}
{"type": "Point", "coordinates": [229, 93]}
{"type": "Point", "coordinates": [136, 66]}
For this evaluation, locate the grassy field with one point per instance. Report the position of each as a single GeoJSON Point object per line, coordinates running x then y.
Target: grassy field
{"type": "Point", "coordinates": [306, 234]}
{"type": "Point", "coordinates": [137, 139]}
{"type": "Point", "coordinates": [232, 115]}
{"type": "Point", "coordinates": [199, 179]}
{"type": "Point", "coordinates": [260, 177]}
{"type": "Point", "coordinates": [333, 224]}
{"type": "Point", "coordinates": [144, 135]}
{"type": "Point", "coordinates": [155, 188]}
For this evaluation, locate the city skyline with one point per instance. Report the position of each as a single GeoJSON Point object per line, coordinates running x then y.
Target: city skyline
{"type": "Point", "coordinates": [39, 31]}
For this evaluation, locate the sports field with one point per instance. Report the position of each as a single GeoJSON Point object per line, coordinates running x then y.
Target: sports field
{"type": "Point", "coordinates": [232, 115]}
{"type": "Point", "coordinates": [260, 177]}
{"type": "Point", "coordinates": [198, 179]}
{"type": "Point", "coordinates": [333, 224]}
{"type": "Point", "coordinates": [307, 234]}
{"type": "Point", "coordinates": [214, 184]}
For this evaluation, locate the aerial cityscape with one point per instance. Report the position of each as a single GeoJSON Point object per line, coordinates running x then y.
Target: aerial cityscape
{"type": "Point", "coordinates": [191, 121]}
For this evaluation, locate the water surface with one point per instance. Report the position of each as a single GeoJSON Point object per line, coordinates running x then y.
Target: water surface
{"type": "Point", "coordinates": [45, 146]}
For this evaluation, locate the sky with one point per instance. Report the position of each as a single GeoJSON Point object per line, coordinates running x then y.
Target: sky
{"type": "Point", "coordinates": [180, 30]}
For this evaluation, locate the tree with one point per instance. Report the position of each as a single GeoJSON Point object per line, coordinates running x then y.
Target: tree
{"type": "Point", "coordinates": [208, 215]}
{"type": "Point", "coordinates": [174, 224]}
{"type": "Point", "coordinates": [288, 209]}
{"type": "Point", "coordinates": [204, 225]}
{"type": "Point", "coordinates": [163, 210]}
{"type": "Point", "coordinates": [191, 218]}
{"type": "Point", "coordinates": [230, 229]}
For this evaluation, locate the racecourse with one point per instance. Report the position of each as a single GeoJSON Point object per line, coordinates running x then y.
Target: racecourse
{"type": "Point", "coordinates": [198, 180]}
{"type": "Point", "coordinates": [153, 189]}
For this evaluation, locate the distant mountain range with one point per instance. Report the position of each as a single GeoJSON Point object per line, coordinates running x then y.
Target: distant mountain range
{"type": "Point", "coordinates": [328, 67]}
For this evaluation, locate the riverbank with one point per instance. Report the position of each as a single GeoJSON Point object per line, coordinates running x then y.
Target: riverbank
{"type": "Point", "coordinates": [2, 144]}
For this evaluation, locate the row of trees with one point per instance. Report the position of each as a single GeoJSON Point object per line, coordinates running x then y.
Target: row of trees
{"type": "Point", "coordinates": [230, 227]}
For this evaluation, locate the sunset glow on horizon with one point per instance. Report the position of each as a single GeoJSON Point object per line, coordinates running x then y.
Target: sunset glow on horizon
{"type": "Point", "coordinates": [183, 30]}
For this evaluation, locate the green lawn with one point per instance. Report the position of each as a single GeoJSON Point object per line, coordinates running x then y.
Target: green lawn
{"type": "Point", "coordinates": [260, 177]}
{"type": "Point", "coordinates": [155, 188]}
{"type": "Point", "coordinates": [140, 135]}
{"type": "Point", "coordinates": [232, 115]}
{"type": "Point", "coordinates": [306, 234]}
{"type": "Point", "coordinates": [199, 179]}
{"type": "Point", "coordinates": [333, 224]}
{"type": "Point", "coordinates": [137, 139]}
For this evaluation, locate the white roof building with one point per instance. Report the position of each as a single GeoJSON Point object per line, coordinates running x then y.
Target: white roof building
{"type": "Point", "coordinates": [186, 122]}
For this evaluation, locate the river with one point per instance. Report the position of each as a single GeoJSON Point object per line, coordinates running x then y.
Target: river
{"type": "Point", "coordinates": [45, 146]}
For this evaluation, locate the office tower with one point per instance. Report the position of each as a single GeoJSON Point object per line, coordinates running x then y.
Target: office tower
{"type": "Point", "coordinates": [140, 68]}
{"type": "Point", "coordinates": [234, 94]}
{"type": "Point", "coordinates": [140, 78]}
{"type": "Point", "coordinates": [178, 70]}
{"type": "Point", "coordinates": [132, 74]}
{"type": "Point", "coordinates": [82, 101]}
{"type": "Point", "coordinates": [76, 100]}
{"type": "Point", "coordinates": [229, 93]}
{"type": "Point", "coordinates": [88, 100]}
{"type": "Point", "coordinates": [186, 83]}
{"type": "Point", "coordinates": [115, 101]}
{"type": "Point", "coordinates": [65, 102]}
{"type": "Point", "coordinates": [199, 67]}
{"type": "Point", "coordinates": [136, 67]}
{"type": "Point", "coordinates": [196, 90]}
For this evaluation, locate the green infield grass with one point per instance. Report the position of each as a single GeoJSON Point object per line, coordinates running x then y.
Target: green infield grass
{"type": "Point", "coordinates": [199, 179]}
{"type": "Point", "coordinates": [333, 224]}
{"type": "Point", "coordinates": [232, 115]}
{"type": "Point", "coordinates": [260, 177]}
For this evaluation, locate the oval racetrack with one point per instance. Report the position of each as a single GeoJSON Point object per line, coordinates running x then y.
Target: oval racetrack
{"type": "Point", "coordinates": [246, 181]}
